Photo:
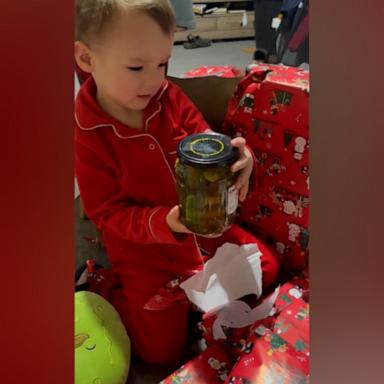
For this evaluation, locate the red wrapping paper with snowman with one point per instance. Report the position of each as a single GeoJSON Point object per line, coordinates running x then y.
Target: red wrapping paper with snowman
{"type": "Point", "coordinates": [270, 110]}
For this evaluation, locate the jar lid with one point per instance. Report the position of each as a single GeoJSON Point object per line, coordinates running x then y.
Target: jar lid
{"type": "Point", "coordinates": [207, 149]}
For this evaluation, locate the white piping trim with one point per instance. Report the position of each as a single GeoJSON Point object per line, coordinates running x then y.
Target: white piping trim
{"type": "Point", "coordinates": [198, 249]}
{"type": "Point", "coordinates": [114, 128]}
{"type": "Point", "coordinates": [140, 135]}
{"type": "Point", "coordinates": [153, 235]}
{"type": "Point", "coordinates": [159, 147]}
{"type": "Point", "coordinates": [163, 90]}
{"type": "Point", "coordinates": [91, 128]}
{"type": "Point", "coordinates": [204, 250]}
{"type": "Point", "coordinates": [151, 117]}
{"type": "Point", "coordinates": [150, 224]}
{"type": "Point", "coordinates": [116, 131]}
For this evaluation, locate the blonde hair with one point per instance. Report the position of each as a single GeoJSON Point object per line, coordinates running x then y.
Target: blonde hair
{"type": "Point", "coordinates": [94, 16]}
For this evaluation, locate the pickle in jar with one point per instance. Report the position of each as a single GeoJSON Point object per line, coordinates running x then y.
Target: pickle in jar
{"type": "Point", "coordinates": [204, 183]}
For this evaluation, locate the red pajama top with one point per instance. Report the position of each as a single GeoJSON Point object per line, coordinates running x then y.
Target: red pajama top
{"type": "Point", "coordinates": [127, 184]}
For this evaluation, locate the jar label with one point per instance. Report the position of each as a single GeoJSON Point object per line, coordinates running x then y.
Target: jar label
{"type": "Point", "coordinates": [232, 200]}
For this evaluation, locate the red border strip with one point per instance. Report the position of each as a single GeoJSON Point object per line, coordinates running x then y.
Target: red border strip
{"type": "Point", "coordinates": [36, 217]}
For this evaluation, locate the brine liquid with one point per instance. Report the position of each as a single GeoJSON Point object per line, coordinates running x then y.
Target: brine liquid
{"type": "Point", "coordinates": [207, 197]}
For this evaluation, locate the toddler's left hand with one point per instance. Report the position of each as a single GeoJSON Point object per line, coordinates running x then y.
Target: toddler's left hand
{"type": "Point", "coordinates": [244, 164]}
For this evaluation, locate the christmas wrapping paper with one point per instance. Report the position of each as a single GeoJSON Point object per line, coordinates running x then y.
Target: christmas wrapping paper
{"type": "Point", "coordinates": [277, 350]}
{"type": "Point", "coordinates": [236, 337]}
{"type": "Point", "coordinates": [270, 110]}
{"type": "Point", "coordinates": [270, 359]}
{"type": "Point", "coordinates": [272, 350]}
{"type": "Point", "coordinates": [292, 324]}
{"type": "Point", "coordinates": [227, 71]}
{"type": "Point", "coordinates": [211, 367]}
{"type": "Point", "coordinates": [290, 292]}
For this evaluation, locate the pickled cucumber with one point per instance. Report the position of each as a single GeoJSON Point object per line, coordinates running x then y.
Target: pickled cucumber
{"type": "Point", "coordinates": [214, 174]}
{"type": "Point", "coordinates": [203, 188]}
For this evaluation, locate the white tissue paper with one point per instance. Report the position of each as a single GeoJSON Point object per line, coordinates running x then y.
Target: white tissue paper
{"type": "Point", "coordinates": [238, 314]}
{"type": "Point", "coordinates": [233, 272]}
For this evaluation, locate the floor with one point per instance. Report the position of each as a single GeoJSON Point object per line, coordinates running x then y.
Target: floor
{"type": "Point", "coordinates": [236, 53]}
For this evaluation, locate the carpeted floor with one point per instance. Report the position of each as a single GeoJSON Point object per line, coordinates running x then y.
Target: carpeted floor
{"type": "Point", "coordinates": [85, 233]}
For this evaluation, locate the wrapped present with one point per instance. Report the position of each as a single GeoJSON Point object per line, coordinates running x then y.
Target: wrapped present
{"type": "Point", "coordinates": [273, 93]}
{"type": "Point", "coordinates": [236, 339]}
{"type": "Point", "coordinates": [270, 359]}
{"type": "Point", "coordinates": [282, 172]}
{"type": "Point", "coordinates": [236, 334]}
{"type": "Point", "coordinates": [227, 71]}
{"type": "Point", "coordinates": [274, 348]}
{"type": "Point", "coordinates": [291, 292]}
{"type": "Point", "coordinates": [210, 367]}
{"type": "Point", "coordinates": [292, 206]}
{"type": "Point", "coordinates": [270, 110]}
{"type": "Point", "coordinates": [278, 351]}
{"type": "Point", "coordinates": [292, 324]}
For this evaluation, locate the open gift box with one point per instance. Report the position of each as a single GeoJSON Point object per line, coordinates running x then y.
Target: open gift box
{"type": "Point", "coordinates": [275, 349]}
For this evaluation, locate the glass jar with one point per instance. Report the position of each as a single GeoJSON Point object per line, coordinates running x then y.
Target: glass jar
{"type": "Point", "coordinates": [205, 184]}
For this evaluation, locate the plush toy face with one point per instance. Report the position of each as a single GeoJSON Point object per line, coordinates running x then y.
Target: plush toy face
{"type": "Point", "coordinates": [102, 346]}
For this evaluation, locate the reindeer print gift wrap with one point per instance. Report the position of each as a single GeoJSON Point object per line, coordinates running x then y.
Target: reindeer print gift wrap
{"type": "Point", "coordinates": [270, 110]}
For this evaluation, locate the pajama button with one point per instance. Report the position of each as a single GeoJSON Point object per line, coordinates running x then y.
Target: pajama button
{"type": "Point", "coordinates": [151, 147]}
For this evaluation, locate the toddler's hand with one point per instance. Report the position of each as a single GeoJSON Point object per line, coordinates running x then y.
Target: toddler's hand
{"type": "Point", "coordinates": [244, 164]}
{"type": "Point", "coordinates": [173, 221]}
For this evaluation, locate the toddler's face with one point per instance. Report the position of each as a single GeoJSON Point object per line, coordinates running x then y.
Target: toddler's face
{"type": "Point", "coordinates": [129, 63]}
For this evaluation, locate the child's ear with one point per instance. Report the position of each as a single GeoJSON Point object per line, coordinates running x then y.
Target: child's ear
{"type": "Point", "coordinates": [83, 57]}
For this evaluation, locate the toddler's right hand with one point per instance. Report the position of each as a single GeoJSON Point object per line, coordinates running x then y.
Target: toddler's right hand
{"type": "Point", "coordinates": [173, 221]}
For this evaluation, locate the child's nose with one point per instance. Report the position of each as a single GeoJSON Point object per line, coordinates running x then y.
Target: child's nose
{"type": "Point", "coordinates": [154, 79]}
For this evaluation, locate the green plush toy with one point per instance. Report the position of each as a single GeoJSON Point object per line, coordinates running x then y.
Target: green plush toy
{"type": "Point", "coordinates": [102, 346]}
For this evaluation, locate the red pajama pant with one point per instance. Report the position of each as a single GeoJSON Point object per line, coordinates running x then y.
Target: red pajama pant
{"type": "Point", "coordinates": [160, 337]}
